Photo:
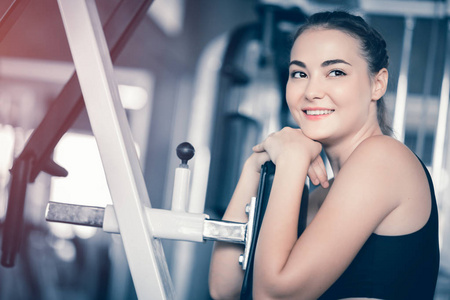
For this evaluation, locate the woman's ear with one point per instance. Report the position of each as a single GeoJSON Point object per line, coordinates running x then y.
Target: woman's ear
{"type": "Point", "coordinates": [380, 84]}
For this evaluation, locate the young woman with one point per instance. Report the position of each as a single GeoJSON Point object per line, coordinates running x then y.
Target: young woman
{"type": "Point", "coordinates": [374, 229]}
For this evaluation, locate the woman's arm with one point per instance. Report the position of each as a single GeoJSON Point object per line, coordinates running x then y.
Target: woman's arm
{"type": "Point", "coordinates": [362, 195]}
{"type": "Point", "coordinates": [315, 200]}
{"type": "Point", "coordinates": [226, 275]}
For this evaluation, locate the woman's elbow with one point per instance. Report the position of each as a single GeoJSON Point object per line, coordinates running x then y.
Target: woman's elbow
{"type": "Point", "coordinates": [215, 292]}
{"type": "Point", "coordinates": [280, 288]}
{"type": "Point", "coordinates": [222, 289]}
{"type": "Point", "coordinates": [221, 293]}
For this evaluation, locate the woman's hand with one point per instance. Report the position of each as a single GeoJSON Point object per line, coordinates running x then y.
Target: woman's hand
{"type": "Point", "coordinates": [256, 160]}
{"type": "Point", "coordinates": [289, 144]}
{"type": "Point", "coordinates": [317, 172]}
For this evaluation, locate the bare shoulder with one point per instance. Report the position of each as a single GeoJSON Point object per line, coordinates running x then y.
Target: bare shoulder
{"type": "Point", "coordinates": [383, 145]}
{"type": "Point", "coordinates": [386, 168]}
{"type": "Point", "coordinates": [394, 175]}
{"type": "Point", "coordinates": [383, 169]}
{"type": "Point", "coordinates": [387, 153]}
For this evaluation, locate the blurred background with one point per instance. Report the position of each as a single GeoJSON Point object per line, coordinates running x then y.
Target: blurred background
{"type": "Point", "coordinates": [210, 72]}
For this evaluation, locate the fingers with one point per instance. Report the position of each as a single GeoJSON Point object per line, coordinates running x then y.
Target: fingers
{"type": "Point", "coordinates": [261, 146]}
{"type": "Point", "coordinates": [313, 176]}
{"type": "Point", "coordinates": [317, 172]}
{"type": "Point", "coordinates": [290, 142]}
{"type": "Point", "coordinates": [258, 148]}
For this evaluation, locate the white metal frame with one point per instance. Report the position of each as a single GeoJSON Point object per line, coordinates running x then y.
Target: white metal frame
{"type": "Point", "coordinates": [141, 226]}
{"type": "Point", "coordinates": [120, 161]}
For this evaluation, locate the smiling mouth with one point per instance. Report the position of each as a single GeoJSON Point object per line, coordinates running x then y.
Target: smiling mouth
{"type": "Point", "coordinates": [318, 112]}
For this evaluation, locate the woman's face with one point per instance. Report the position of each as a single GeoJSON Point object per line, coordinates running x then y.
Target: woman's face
{"type": "Point", "coordinates": [329, 91]}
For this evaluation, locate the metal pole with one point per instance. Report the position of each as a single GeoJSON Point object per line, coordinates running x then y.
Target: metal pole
{"type": "Point", "coordinates": [120, 161]}
{"type": "Point", "coordinates": [12, 235]}
{"type": "Point", "coordinates": [11, 15]}
{"type": "Point", "coordinates": [432, 48]}
{"type": "Point", "coordinates": [438, 151]}
{"type": "Point", "coordinates": [66, 107]}
{"type": "Point", "coordinates": [402, 87]}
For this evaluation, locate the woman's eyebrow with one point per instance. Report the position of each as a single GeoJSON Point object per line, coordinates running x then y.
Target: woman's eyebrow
{"type": "Point", "coordinates": [324, 64]}
{"type": "Point", "coordinates": [297, 63]}
{"type": "Point", "coordinates": [334, 61]}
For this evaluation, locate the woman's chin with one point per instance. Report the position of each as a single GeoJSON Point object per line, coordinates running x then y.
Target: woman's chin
{"type": "Point", "coordinates": [315, 135]}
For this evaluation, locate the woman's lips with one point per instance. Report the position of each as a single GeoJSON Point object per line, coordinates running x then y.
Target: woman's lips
{"type": "Point", "coordinates": [317, 113]}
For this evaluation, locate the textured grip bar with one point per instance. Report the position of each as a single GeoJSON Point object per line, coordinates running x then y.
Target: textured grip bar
{"type": "Point", "coordinates": [231, 232]}
{"type": "Point", "coordinates": [75, 214]}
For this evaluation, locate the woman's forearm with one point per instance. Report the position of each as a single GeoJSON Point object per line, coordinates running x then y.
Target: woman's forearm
{"type": "Point", "coordinates": [226, 275]}
{"type": "Point", "coordinates": [278, 233]}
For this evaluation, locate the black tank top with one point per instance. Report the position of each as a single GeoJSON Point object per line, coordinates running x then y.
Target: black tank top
{"type": "Point", "coordinates": [394, 267]}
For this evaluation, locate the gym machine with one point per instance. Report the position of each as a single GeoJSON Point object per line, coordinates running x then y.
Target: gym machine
{"type": "Point", "coordinates": [141, 227]}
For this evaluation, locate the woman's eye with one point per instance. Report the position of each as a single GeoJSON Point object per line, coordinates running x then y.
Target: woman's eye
{"type": "Point", "coordinates": [337, 73]}
{"type": "Point", "coordinates": [298, 74]}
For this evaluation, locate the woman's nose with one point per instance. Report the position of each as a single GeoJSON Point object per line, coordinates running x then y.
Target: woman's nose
{"type": "Point", "coordinates": [314, 89]}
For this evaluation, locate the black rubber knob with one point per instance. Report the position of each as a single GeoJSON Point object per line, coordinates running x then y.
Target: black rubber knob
{"type": "Point", "coordinates": [185, 152]}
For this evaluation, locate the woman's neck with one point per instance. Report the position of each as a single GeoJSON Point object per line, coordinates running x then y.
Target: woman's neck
{"type": "Point", "coordinates": [338, 153]}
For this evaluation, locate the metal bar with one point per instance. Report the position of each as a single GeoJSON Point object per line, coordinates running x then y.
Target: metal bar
{"type": "Point", "coordinates": [224, 231]}
{"type": "Point", "coordinates": [268, 25]}
{"type": "Point", "coordinates": [69, 103]}
{"type": "Point", "coordinates": [243, 259]}
{"type": "Point", "coordinates": [439, 141]}
{"type": "Point", "coordinates": [402, 86]}
{"type": "Point", "coordinates": [419, 9]}
{"type": "Point", "coordinates": [75, 214]}
{"type": "Point", "coordinates": [182, 224]}
{"type": "Point", "coordinates": [200, 128]}
{"type": "Point", "coordinates": [12, 234]}
{"type": "Point", "coordinates": [11, 15]}
{"type": "Point", "coordinates": [120, 161]}
{"type": "Point", "coordinates": [308, 6]}
{"type": "Point", "coordinates": [424, 103]}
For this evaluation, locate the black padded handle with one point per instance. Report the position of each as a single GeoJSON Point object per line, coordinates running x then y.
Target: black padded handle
{"type": "Point", "coordinates": [262, 198]}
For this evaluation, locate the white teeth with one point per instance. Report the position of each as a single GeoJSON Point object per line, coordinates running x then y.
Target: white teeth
{"type": "Point", "coordinates": [318, 112]}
